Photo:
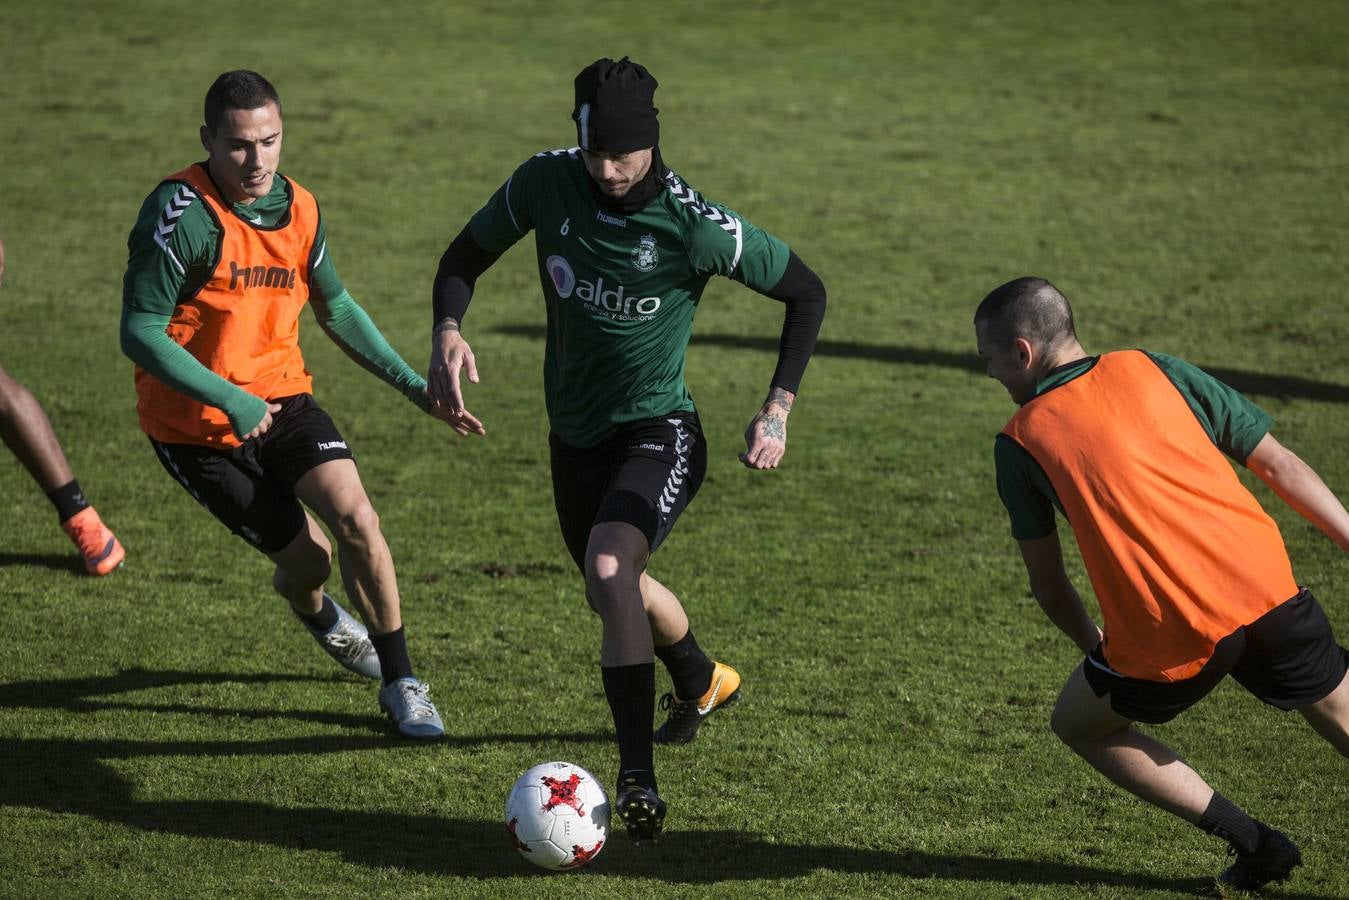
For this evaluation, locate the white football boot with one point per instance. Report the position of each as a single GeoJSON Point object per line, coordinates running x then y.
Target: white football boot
{"type": "Point", "coordinates": [407, 703]}
{"type": "Point", "coordinates": [348, 643]}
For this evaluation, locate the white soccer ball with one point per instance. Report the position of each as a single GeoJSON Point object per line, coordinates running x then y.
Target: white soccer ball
{"type": "Point", "coordinates": [558, 816]}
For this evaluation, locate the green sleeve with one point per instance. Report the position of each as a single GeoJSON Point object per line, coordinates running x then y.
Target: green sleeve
{"type": "Point", "coordinates": [733, 246]}
{"type": "Point", "coordinates": [145, 342]}
{"type": "Point", "coordinates": [1233, 423]}
{"type": "Point", "coordinates": [1025, 491]}
{"type": "Point", "coordinates": [350, 328]}
{"type": "Point", "coordinates": [171, 253]}
{"type": "Point", "coordinates": [324, 283]}
{"type": "Point", "coordinates": [508, 215]}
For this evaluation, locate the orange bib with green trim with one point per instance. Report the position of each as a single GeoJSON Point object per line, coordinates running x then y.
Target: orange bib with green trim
{"type": "Point", "coordinates": [1179, 553]}
{"type": "Point", "coordinates": [244, 322]}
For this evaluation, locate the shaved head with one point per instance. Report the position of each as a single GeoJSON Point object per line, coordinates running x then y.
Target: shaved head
{"type": "Point", "coordinates": [1029, 308]}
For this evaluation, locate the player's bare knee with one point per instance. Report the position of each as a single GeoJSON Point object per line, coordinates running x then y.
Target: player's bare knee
{"type": "Point", "coordinates": [358, 525]}
{"type": "Point", "coordinates": [1066, 727]}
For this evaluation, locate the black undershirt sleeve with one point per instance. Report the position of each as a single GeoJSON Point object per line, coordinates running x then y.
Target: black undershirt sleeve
{"type": "Point", "coordinates": [803, 292]}
{"type": "Point", "coordinates": [460, 265]}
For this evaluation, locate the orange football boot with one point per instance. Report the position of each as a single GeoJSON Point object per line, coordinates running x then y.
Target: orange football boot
{"type": "Point", "coordinates": [100, 548]}
{"type": "Point", "coordinates": [687, 715]}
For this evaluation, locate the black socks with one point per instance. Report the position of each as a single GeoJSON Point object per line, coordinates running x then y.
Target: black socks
{"type": "Point", "coordinates": [68, 500]}
{"type": "Point", "coordinates": [689, 667]}
{"type": "Point", "coordinates": [631, 692]}
{"type": "Point", "coordinates": [323, 620]}
{"type": "Point", "coordinates": [1225, 819]}
{"type": "Point", "coordinates": [394, 662]}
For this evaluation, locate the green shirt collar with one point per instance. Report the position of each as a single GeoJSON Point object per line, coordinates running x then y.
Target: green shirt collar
{"type": "Point", "coordinates": [266, 211]}
{"type": "Point", "coordinates": [1061, 375]}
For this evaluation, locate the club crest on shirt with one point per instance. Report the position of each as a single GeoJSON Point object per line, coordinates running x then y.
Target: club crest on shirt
{"type": "Point", "coordinates": [644, 255]}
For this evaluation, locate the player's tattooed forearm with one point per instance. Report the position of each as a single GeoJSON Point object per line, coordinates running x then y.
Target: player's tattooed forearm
{"type": "Point", "coordinates": [774, 427]}
{"type": "Point", "coordinates": [446, 324]}
{"type": "Point", "coordinates": [781, 396]}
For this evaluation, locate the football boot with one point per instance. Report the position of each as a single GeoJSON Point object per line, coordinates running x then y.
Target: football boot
{"type": "Point", "coordinates": [685, 716]}
{"type": "Point", "coordinates": [100, 548]}
{"type": "Point", "coordinates": [1273, 859]}
{"type": "Point", "coordinates": [640, 809]}
{"type": "Point", "coordinates": [348, 642]}
{"type": "Point", "coordinates": [407, 703]}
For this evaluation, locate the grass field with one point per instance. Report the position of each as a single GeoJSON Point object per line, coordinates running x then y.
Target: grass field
{"type": "Point", "coordinates": [1179, 169]}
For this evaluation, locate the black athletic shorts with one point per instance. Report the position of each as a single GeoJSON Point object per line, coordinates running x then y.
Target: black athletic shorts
{"type": "Point", "coordinates": [251, 488]}
{"type": "Point", "coordinates": [1288, 658]}
{"type": "Point", "coordinates": [644, 474]}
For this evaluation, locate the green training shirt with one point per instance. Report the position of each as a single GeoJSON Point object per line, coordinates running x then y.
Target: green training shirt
{"type": "Point", "coordinates": [1232, 422]}
{"type": "Point", "coordinates": [160, 273]}
{"type": "Point", "coordinates": [620, 291]}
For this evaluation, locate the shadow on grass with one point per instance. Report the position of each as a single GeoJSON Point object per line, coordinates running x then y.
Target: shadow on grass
{"type": "Point", "coordinates": [74, 776]}
{"type": "Point", "coordinates": [80, 695]}
{"type": "Point", "coordinates": [71, 777]}
{"type": "Point", "coordinates": [61, 562]}
{"type": "Point", "coordinates": [1258, 383]}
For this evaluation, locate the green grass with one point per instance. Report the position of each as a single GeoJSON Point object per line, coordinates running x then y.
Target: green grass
{"type": "Point", "coordinates": [1179, 169]}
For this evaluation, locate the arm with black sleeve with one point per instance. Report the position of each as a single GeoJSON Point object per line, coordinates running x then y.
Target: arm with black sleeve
{"type": "Point", "coordinates": [460, 267]}
{"type": "Point", "coordinates": [804, 295]}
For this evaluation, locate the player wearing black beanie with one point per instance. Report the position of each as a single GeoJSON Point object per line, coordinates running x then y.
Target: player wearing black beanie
{"type": "Point", "coordinates": [625, 249]}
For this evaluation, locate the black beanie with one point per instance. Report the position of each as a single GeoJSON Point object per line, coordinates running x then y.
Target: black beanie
{"type": "Point", "coordinates": [613, 111]}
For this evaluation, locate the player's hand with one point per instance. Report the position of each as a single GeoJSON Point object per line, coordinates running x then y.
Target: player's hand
{"type": "Point", "coordinates": [463, 424]}
{"type": "Point", "coordinates": [766, 436]}
{"type": "Point", "coordinates": [451, 355]}
{"type": "Point", "coordinates": [261, 428]}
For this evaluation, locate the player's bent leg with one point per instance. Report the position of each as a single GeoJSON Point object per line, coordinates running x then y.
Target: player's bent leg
{"type": "Point", "coordinates": [333, 490]}
{"type": "Point", "coordinates": [1141, 765]}
{"type": "Point", "coordinates": [664, 612]}
{"type": "Point", "coordinates": [26, 430]}
{"type": "Point", "coordinates": [302, 567]}
{"type": "Point", "coordinates": [1153, 772]}
{"type": "Point", "coordinates": [701, 686]}
{"type": "Point", "coordinates": [1330, 716]}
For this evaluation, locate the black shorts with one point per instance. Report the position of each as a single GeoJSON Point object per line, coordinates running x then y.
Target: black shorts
{"type": "Point", "coordinates": [251, 488]}
{"type": "Point", "coordinates": [644, 474]}
{"type": "Point", "coordinates": [1288, 658]}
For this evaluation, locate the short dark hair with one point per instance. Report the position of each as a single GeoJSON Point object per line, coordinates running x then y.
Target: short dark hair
{"type": "Point", "coordinates": [239, 89]}
{"type": "Point", "coordinates": [1029, 308]}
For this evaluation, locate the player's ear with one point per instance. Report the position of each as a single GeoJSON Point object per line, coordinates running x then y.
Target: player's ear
{"type": "Point", "coordinates": [205, 139]}
{"type": "Point", "coordinates": [1025, 352]}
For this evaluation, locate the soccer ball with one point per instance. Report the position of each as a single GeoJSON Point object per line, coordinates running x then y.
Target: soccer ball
{"type": "Point", "coordinates": [558, 816]}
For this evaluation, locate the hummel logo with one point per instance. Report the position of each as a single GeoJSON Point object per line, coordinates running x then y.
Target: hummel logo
{"type": "Point", "coordinates": [256, 220]}
{"type": "Point", "coordinates": [262, 276]}
{"type": "Point", "coordinates": [332, 445]}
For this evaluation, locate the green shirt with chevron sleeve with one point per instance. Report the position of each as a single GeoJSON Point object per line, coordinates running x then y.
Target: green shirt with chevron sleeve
{"type": "Point", "coordinates": [620, 291]}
